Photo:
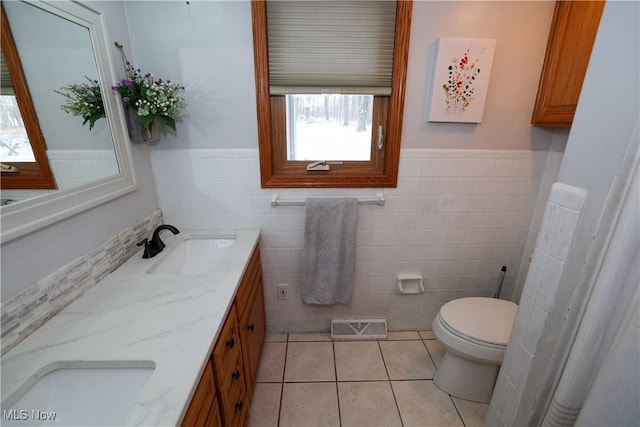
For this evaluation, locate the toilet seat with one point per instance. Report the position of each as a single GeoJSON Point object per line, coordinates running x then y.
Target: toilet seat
{"type": "Point", "coordinates": [483, 321]}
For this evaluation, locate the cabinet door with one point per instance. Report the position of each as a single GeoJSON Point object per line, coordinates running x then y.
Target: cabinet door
{"type": "Point", "coordinates": [573, 31]}
{"type": "Point", "coordinates": [252, 330]}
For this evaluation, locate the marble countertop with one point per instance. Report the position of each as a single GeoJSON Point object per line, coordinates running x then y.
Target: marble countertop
{"type": "Point", "coordinates": [169, 321]}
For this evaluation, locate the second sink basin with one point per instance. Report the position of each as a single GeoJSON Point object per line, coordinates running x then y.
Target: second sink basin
{"type": "Point", "coordinates": [78, 394]}
{"type": "Point", "coordinates": [194, 255]}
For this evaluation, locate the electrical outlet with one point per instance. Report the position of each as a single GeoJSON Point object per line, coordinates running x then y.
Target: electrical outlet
{"type": "Point", "coordinates": [283, 291]}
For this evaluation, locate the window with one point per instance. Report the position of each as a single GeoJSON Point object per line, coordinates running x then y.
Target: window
{"type": "Point", "coordinates": [353, 123]}
{"type": "Point", "coordinates": [21, 139]}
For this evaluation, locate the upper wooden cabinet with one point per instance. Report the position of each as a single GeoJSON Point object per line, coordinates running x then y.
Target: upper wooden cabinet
{"type": "Point", "coordinates": [573, 31]}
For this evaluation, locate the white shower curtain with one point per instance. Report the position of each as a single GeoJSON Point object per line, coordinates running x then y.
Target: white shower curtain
{"type": "Point", "coordinates": [606, 344]}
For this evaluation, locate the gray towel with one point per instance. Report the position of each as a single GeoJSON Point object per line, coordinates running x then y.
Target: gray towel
{"type": "Point", "coordinates": [328, 260]}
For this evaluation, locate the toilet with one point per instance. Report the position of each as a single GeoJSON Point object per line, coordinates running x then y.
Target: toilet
{"type": "Point", "coordinates": [475, 332]}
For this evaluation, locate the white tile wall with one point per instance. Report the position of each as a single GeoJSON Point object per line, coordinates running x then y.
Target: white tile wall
{"type": "Point", "coordinates": [76, 167]}
{"type": "Point", "coordinates": [559, 223]}
{"type": "Point", "coordinates": [72, 168]}
{"type": "Point", "coordinates": [456, 217]}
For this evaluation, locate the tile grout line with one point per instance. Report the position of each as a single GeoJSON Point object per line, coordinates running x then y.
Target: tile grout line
{"type": "Point", "coordinates": [286, 349]}
{"type": "Point", "coordinates": [457, 410]}
{"type": "Point", "coordinates": [393, 393]}
{"type": "Point", "coordinates": [335, 371]}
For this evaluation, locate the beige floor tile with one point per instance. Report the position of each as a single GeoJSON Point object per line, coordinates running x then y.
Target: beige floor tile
{"type": "Point", "coordinates": [422, 404]}
{"type": "Point", "coordinates": [473, 413]}
{"type": "Point", "coordinates": [436, 350]}
{"type": "Point", "coordinates": [359, 361]}
{"type": "Point", "coordinates": [265, 405]}
{"type": "Point", "coordinates": [310, 337]}
{"type": "Point", "coordinates": [309, 404]}
{"type": "Point", "coordinates": [310, 361]}
{"type": "Point", "coordinates": [275, 337]}
{"type": "Point", "coordinates": [367, 404]}
{"type": "Point", "coordinates": [271, 367]}
{"type": "Point", "coordinates": [403, 335]}
{"type": "Point", "coordinates": [407, 360]}
{"type": "Point", "coordinates": [427, 335]}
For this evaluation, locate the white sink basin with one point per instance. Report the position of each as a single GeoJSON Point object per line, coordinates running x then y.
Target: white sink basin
{"type": "Point", "coordinates": [194, 255]}
{"type": "Point", "coordinates": [77, 394]}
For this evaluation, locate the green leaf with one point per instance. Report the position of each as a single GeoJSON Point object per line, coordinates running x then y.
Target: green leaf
{"type": "Point", "coordinates": [167, 121]}
{"type": "Point", "coordinates": [146, 120]}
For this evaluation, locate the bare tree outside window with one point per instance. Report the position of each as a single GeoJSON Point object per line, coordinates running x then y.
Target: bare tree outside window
{"type": "Point", "coordinates": [329, 127]}
{"type": "Point", "coordinates": [14, 142]}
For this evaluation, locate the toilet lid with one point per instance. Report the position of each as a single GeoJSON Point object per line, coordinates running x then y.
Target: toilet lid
{"type": "Point", "coordinates": [484, 319]}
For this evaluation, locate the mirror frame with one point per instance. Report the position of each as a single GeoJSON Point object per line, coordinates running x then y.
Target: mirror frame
{"type": "Point", "coordinates": [26, 216]}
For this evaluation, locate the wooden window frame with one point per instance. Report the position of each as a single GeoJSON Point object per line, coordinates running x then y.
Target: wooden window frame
{"type": "Point", "coordinates": [31, 175]}
{"type": "Point", "coordinates": [381, 171]}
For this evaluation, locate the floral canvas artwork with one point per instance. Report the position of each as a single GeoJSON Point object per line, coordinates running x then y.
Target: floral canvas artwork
{"type": "Point", "coordinates": [461, 79]}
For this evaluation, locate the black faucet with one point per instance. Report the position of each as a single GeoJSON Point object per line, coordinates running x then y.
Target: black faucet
{"type": "Point", "coordinates": [156, 245]}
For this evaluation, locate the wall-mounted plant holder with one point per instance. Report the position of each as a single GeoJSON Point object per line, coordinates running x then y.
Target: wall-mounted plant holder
{"type": "Point", "coordinates": [408, 284]}
{"type": "Point", "coordinates": [137, 133]}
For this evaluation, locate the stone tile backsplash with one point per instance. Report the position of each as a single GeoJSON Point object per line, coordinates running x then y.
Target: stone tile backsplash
{"type": "Point", "coordinates": [31, 308]}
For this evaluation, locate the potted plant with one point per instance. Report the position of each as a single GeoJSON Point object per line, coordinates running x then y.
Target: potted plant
{"type": "Point", "coordinates": [154, 101]}
{"type": "Point", "coordinates": [83, 100]}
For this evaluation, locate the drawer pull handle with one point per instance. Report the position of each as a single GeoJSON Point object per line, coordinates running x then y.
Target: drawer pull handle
{"type": "Point", "coordinates": [230, 343]}
{"type": "Point", "coordinates": [239, 406]}
{"type": "Point", "coordinates": [236, 375]}
{"type": "Point", "coordinates": [251, 327]}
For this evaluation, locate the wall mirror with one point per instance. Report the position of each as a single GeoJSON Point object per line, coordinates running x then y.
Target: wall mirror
{"type": "Point", "coordinates": [60, 43]}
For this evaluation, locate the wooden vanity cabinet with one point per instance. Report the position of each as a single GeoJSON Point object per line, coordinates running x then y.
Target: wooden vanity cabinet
{"type": "Point", "coordinates": [203, 410]}
{"type": "Point", "coordinates": [224, 393]}
{"type": "Point", "coordinates": [251, 313]}
{"type": "Point", "coordinates": [571, 37]}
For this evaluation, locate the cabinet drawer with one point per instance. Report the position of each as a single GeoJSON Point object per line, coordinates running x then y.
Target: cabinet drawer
{"type": "Point", "coordinates": [231, 374]}
{"type": "Point", "coordinates": [234, 403]}
{"type": "Point", "coordinates": [227, 348]}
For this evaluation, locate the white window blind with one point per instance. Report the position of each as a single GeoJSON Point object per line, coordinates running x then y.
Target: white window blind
{"type": "Point", "coordinates": [6, 85]}
{"type": "Point", "coordinates": [331, 46]}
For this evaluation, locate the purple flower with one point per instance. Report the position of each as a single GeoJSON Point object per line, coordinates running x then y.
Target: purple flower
{"type": "Point", "coordinates": [91, 100]}
{"type": "Point", "coordinates": [125, 99]}
{"type": "Point", "coordinates": [114, 88]}
{"type": "Point", "coordinates": [147, 75]}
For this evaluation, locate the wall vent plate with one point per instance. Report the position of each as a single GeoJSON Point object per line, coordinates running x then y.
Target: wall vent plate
{"type": "Point", "coordinates": [365, 329]}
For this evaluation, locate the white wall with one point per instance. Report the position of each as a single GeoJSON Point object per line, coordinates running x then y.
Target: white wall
{"type": "Point", "coordinates": [520, 29]}
{"type": "Point", "coordinates": [466, 194]}
{"type": "Point", "coordinates": [29, 258]}
{"type": "Point", "coordinates": [208, 47]}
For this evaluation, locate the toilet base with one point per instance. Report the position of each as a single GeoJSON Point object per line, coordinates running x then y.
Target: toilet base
{"type": "Point", "coordinates": [466, 379]}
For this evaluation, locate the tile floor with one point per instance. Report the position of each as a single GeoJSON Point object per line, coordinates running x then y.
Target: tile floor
{"type": "Point", "coordinates": [310, 380]}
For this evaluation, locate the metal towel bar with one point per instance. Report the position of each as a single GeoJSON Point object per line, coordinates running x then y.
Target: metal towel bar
{"type": "Point", "coordinates": [299, 201]}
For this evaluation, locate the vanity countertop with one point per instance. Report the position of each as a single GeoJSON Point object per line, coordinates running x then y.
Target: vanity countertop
{"type": "Point", "coordinates": [171, 321]}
